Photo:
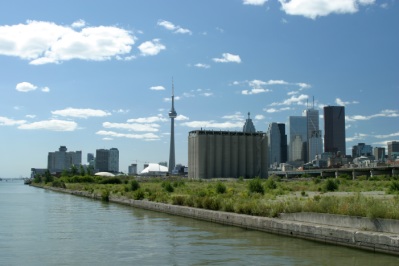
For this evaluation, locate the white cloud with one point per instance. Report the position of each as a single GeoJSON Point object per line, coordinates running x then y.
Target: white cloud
{"type": "Point", "coordinates": [181, 118]}
{"type": "Point", "coordinates": [274, 110]}
{"type": "Point", "coordinates": [177, 98]}
{"type": "Point", "coordinates": [317, 8]}
{"type": "Point", "coordinates": [254, 2]}
{"type": "Point", "coordinates": [4, 121]}
{"type": "Point", "coordinates": [150, 119]}
{"type": "Point", "coordinates": [387, 136]}
{"type": "Point", "coordinates": [30, 116]}
{"type": "Point", "coordinates": [206, 94]}
{"type": "Point", "coordinates": [228, 58]}
{"type": "Point", "coordinates": [79, 24]}
{"type": "Point", "coordinates": [213, 124]}
{"type": "Point", "coordinates": [133, 126]}
{"type": "Point", "coordinates": [237, 117]}
{"type": "Point", "coordinates": [157, 88]}
{"type": "Point", "coordinates": [25, 87]}
{"type": "Point", "coordinates": [254, 91]}
{"type": "Point", "coordinates": [300, 100]}
{"type": "Point", "coordinates": [52, 125]}
{"type": "Point", "coordinates": [43, 42]}
{"type": "Point", "coordinates": [200, 65]}
{"type": "Point", "coordinates": [121, 111]}
{"type": "Point", "coordinates": [356, 137]}
{"type": "Point", "coordinates": [259, 117]}
{"type": "Point", "coordinates": [146, 136]}
{"type": "Point", "coordinates": [170, 26]}
{"type": "Point", "coordinates": [45, 89]}
{"type": "Point", "coordinates": [80, 113]}
{"type": "Point", "coordinates": [258, 86]}
{"type": "Point", "coordinates": [153, 47]}
{"type": "Point", "coordinates": [338, 101]}
{"type": "Point", "coordinates": [383, 113]}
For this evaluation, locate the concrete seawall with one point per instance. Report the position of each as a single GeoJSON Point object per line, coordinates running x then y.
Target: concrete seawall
{"type": "Point", "coordinates": [385, 242]}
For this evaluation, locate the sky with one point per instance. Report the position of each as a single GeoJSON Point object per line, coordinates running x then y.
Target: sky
{"type": "Point", "coordinates": [98, 74]}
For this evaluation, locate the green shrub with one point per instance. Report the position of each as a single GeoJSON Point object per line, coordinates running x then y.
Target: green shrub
{"type": "Point", "coordinates": [138, 194]}
{"type": "Point", "coordinates": [178, 200]}
{"type": "Point", "coordinates": [111, 180]}
{"type": "Point", "coordinates": [394, 187]}
{"type": "Point", "coordinates": [105, 195]}
{"type": "Point", "coordinates": [255, 186]}
{"type": "Point", "coordinates": [134, 185]}
{"type": "Point", "coordinates": [345, 176]}
{"type": "Point", "coordinates": [58, 183]}
{"type": "Point", "coordinates": [220, 188]}
{"type": "Point", "coordinates": [167, 186]}
{"type": "Point", "coordinates": [270, 184]}
{"type": "Point", "coordinates": [331, 185]}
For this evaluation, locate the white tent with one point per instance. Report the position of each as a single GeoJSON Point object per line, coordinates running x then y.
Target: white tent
{"type": "Point", "coordinates": [104, 174]}
{"type": "Point", "coordinates": [154, 169]}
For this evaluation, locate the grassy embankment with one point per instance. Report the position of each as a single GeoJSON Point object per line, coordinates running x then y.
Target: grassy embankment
{"type": "Point", "coordinates": [376, 197]}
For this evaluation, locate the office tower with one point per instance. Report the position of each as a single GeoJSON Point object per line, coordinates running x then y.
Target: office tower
{"type": "Point", "coordinates": [132, 169]}
{"type": "Point", "coordinates": [334, 129]}
{"type": "Point", "coordinates": [113, 165]}
{"type": "Point", "coordinates": [313, 134]}
{"type": "Point", "coordinates": [90, 157]}
{"type": "Point", "coordinates": [274, 145]}
{"type": "Point", "coordinates": [215, 154]}
{"type": "Point", "coordinates": [172, 115]}
{"type": "Point", "coordinates": [379, 154]}
{"type": "Point", "coordinates": [393, 150]}
{"type": "Point", "coordinates": [284, 145]}
{"type": "Point", "coordinates": [361, 149]}
{"type": "Point", "coordinates": [249, 126]}
{"type": "Point", "coordinates": [107, 160]}
{"type": "Point", "coordinates": [298, 138]}
{"type": "Point", "coordinates": [62, 160]}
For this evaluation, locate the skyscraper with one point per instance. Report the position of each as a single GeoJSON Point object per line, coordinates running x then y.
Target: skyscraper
{"type": "Point", "coordinates": [283, 143]}
{"type": "Point", "coordinates": [107, 160]}
{"type": "Point", "coordinates": [172, 115]}
{"type": "Point", "coordinates": [313, 133]}
{"type": "Point", "coordinates": [62, 160]}
{"type": "Point", "coordinates": [298, 138]}
{"type": "Point", "coordinates": [274, 145]}
{"type": "Point", "coordinates": [334, 129]}
{"type": "Point", "coordinates": [393, 150]}
{"type": "Point", "coordinates": [249, 126]}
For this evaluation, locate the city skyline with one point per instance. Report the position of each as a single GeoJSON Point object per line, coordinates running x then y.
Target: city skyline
{"type": "Point", "coordinates": [91, 75]}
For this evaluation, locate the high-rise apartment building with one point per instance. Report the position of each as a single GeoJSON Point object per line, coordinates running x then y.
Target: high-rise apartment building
{"type": "Point", "coordinates": [334, 129]}
{"type": "Point", "coordinates": [62, 160]}
{"type": "Point", "coordinates": [132, 169]}
{"type": "Point", "coordinates": [107, 160]}
{"type": "Point", "coordinates": [298, 138]}
{"type": "Point", "coordinates": [393, 150]}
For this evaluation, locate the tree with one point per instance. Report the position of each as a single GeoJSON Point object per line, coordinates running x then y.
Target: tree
{"type": "Point", "coordinates": [74, 170]}
{"type": "Point", "coordinates": [82, 170]}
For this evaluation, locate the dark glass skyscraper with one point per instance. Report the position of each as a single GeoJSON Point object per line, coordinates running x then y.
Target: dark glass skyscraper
{"type": "Point", "coordinates": [334, 129]}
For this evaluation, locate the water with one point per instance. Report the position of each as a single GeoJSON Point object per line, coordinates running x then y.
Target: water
{"type": "Point", "coordinates": [40, 227]}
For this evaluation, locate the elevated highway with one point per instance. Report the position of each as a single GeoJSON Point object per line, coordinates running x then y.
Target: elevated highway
{"type": "Point", "coordinates": [336, 172]}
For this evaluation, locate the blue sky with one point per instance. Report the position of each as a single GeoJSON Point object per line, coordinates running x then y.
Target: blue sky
{"type": "Point", "coordinates": [98, 74]}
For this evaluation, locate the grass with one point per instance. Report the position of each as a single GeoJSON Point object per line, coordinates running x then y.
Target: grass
{"type": "Point", "coordinates": [254, 196]}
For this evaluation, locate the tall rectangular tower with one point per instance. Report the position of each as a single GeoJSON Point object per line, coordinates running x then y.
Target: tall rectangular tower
{"type": "Point", "coordinates": [298, 138]}
{"type": "Point", "coordinates": [334, 129]}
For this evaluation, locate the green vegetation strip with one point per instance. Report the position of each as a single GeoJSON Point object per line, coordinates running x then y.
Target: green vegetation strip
{"type": "Point", "coordinates": [376, 197]}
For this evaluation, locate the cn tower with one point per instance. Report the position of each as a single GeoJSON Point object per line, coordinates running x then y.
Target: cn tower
{"type": "Point", "coordinates": [172, 115]}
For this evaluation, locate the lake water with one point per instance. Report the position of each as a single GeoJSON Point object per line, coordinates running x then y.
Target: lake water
{"type": "Point", "coordinates": [40, 227]}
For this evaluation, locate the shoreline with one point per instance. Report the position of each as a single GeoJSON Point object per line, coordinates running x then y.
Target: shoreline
{"type": "Point", "coordinates": [382, 242]}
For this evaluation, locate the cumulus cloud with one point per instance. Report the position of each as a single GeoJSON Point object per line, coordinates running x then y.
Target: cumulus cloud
{"type": "Point", "coordinates": [25, 87]}
{"type": "Point", "coordinates": [43, 42]}
{"type": "Point", "coordinates": [299, 100]}
{"type": "Point", "coordinates": [213, 124]}
{"type": "Point", "coordinates": [153, 47]}
{"type": "Point", "coordinates": [177, 98]}
{"type": "Point", "coordinates": [259, 117]}
{"type": "Point", "coordinates": [46, 89]}
{"type": "Point", "coordinates": [383, 113]}
{"type": "Point", "coordinates": [133, 126]}
{"type": "Point", "coordinates": [200, 65]}
{"type": "Point", "coordinates": [317, 8]}
{"type": "Point", "coordinates": [338, 101]}
{"type": "Point", "coordinates": [254, 2]}
{"type": "Point", "coordinates": [146, 136]}
{"type": "Point", "coordinates": [181, 118]}
{"type": "Point", "coordinates": [79, 24]}
{"type": "Point", "coordinates": [80, 113]}
{"type": "Point", "coordinates": [228, 58]}
{"type": "Point", "coordinates": [274, 110]}
{"type": "Point", "coordinates": [5, 121]}
{"type": "Point", "coordinates": [150, 119]}
{"type": "Point", "coordinates": [157, 88]}
{"type": "Point", "coordinates": [356, 137]}
{"type": "Point", "coordinates": [52, 125]}
{"type": "Point", "coordinates": [387, 136]}
{"type": "Point", "coordinates": [170, 26]}
{"type": "Point", "coordinates": [259, 86]}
